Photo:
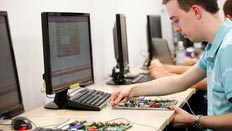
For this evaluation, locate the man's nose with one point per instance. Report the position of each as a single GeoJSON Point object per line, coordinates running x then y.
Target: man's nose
{"type": "Point", "coordinates": [176, 28]}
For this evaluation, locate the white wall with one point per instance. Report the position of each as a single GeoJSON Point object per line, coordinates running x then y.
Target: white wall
{"type": "Point", "coordinates": [104, 17]}
{"type": "Point", "coordinates": [220, 3]}
{"type": "Point", "coordinates": [25, 24]}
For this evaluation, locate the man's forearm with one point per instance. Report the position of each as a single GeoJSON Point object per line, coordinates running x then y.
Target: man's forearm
{"type": "Point", "coordinates": [159, 87]}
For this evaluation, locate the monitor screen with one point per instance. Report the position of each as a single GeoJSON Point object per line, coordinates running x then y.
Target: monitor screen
{"type": "Point", "coordinates": [162, 50]}
{"type": "Point", "coordinates": [10, 94]}
{"type": "Point", "coordinates": [153, 31]}
{"type": "Point", "coordinates": [67, 50]}
{"type": "Point", "coordinates": [120, 50]}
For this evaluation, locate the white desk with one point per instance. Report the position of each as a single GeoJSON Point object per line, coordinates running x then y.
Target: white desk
{"type": "Point", "coordinates": [159, 119]}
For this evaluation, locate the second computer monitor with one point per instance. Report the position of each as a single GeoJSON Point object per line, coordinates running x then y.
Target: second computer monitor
{"type": "Point", "coordinates": [67, 53]}
{"type": "Point", "coordinates": [120, 44]}
{"type": "Point", "coordinates": [154, 30]}
{"type": "Point", "coordinates": [120, 50]}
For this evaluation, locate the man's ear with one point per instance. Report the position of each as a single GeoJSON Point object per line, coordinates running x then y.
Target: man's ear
{"type": "Point", "coordinates": [197, 11]}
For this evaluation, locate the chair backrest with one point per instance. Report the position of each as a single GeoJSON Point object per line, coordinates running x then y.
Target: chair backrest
{"type": "Point", "coordinates": [162, 51]}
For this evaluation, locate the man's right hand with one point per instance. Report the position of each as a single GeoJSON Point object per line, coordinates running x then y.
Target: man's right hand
{"type": "Point", "coordinates": [121, 96]}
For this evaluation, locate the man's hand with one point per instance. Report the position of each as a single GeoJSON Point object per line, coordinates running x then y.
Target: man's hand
{"type": "Point", "coordinates": [121, 96]}
{"type": "Point", "coordinates": [182, 118]}
{"type": "Point", "coordinates": [157, 69]}
{"type": "Point", "coordinates": [190, 61]}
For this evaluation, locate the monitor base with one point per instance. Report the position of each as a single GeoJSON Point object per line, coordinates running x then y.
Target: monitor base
{"type": "Point", "coordinates": [126, 82]}
{"type": "Point", "coordinates": [60, 101]}
{"type": "Point", "coordinates": [51, 105]}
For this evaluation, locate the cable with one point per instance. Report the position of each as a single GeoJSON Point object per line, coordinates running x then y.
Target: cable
{"type": "Point", "coordinates": [5, 121]}
{"type": "Point", "coordinates": [135, 123]}
{"type": "Point", "coordinates": [43, 88]}
{"type": "Point", "coordinates": [5, 124]}
{"type": "Point", "coordinates": [33, 124]}
{"type": "Point", "coordinates": [185, 102]}
{"type": "Point", "coordinates": [49, 96]}
{"type": "Point", "coordinates": [49, 126]}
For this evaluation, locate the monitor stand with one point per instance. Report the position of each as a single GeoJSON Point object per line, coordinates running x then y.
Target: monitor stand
{"type": "Point", "coordinates": [51, 105]}
{"type": "Point", "coordinates": [60, 101]}
{"type": "Point", "coordinates": [119, 82]}
{"type": "Point", "coordinates": [118, 78]}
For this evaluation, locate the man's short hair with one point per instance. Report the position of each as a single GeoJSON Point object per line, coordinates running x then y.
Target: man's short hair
{"type": "Point", "coordinates": [227, 8]}
{"type": "Point", "coordinates": [209, 5]}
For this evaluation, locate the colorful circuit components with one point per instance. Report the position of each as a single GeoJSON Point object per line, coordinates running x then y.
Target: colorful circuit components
{"type": "Point", "coordinates": [146, 104]}
{"type": "Point", "coordinates": [99, 126]}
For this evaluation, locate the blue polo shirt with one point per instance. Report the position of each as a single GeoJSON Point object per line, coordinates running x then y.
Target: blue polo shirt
{"type": "Point", "coordinates": [217, 61]}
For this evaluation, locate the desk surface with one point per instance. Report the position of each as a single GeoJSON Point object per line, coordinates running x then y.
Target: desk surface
{"type": "Point", "coordinates": [151, 118]}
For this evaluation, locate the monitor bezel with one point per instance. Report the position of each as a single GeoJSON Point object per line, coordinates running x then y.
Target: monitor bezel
{"type": "Point", "coordinates": [155, 33]}
{"type": "Point", "coordinates": [16, 110]}
{"type": "Point", "coordinates": [121, 53]}
{"type": "Point", "coordinates": [46, 50]}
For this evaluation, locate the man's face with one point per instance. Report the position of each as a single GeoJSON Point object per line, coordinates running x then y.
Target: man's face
{"type": "Point", "coordinates": [183, 21]}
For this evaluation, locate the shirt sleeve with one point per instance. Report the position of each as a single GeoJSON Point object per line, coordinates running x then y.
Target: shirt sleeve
{"type": "Point", "coordinates": [203, 62]}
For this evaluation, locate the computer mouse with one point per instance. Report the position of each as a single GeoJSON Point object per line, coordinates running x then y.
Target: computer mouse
{"type": "Point", "coordinates": [21, 123]}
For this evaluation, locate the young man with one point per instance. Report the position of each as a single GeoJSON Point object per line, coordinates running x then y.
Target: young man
{"type": "Point", "coordinates": [197, 20]}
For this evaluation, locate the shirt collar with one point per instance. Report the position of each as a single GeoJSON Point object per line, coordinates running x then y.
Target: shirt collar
{"type": "Point", "coordinates": [226, 26]}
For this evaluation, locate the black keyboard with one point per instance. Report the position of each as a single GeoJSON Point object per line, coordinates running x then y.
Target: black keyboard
{"type": "Point", "coordinates": [89, 99]}
{"type": "Point", "coordinates": [142, 78]}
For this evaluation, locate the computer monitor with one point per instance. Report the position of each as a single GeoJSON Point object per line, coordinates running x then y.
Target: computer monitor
{"type": "Point", "coordinates": [154, 30]}
{"type": "Point", "coordinates": [10, 94]}
{"type": "Point", "coordinates": [120, 50]}
{"type": "Point", "coordinates": [163, 52]}
{"type": "Point", "coordinates": [67, 54]}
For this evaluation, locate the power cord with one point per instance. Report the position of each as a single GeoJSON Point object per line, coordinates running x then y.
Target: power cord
{"type": "Point", "coordinates": [50, 126]}
{"type": "Point", "coordinates": [135, 123]}
{"type": "Point", "coordinates": [5, 124]}
{"type": "Point", "coordinates": [43, 89]}
{"type": "Point", "coordinates": [186, 102]}
{"type": "Point", "coordinates": [33, 124]}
